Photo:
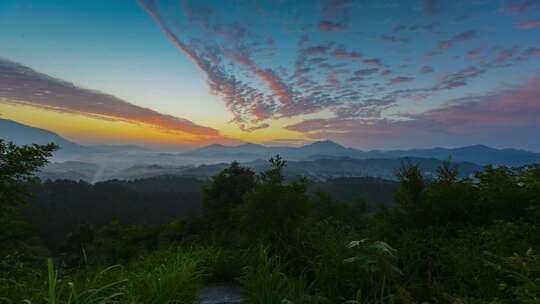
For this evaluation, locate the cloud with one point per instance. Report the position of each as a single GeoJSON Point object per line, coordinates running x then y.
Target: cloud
{"type": "Point", "coordinates": [426, 69]}
{"type": "Point", "coordinates": [23, 85]}
{"type": "Point", "coordinates": [463, 36]}
{"type": "Point", "coordinates": [374, 62]}
{"type": "Point", "coordinates": [473, 54]}
{"type": "Point", "coordinates": [446, 44]}
{"type": "Point", "coordinates": [519, 7]}
{"type": "Point", "coordinates": [467, 35]}
{"type": "Point", "coordinates": [254, 128]}
{"type": "Point", "coordinates": [527, 25]}
{"type": "Point", "coordinates": [278, 87]}
{"type": "Point", "coordinates": [335, 8]}
{"type": "Point", "coordinates": [503, 56]}
{"type": "Point", "coordinates": [533, 52]}
{"type": "Point", "coordinates": [315, 50]}
{"type": "Point", "coordinates": [401, 79]}
{"type": "Point", "coordinates": [235, 93]}
{"type": "Point", "coordinates": [366, 72]}
{"type": "Point", "coordinates": [306, 72]}
{"type": "Point", "coordinates": [501, 118]}
{"type": "Point", "coordinates": [341, 53]}
{"type": "Point", "coordinates": [459, 78]}
{"type": "Point", "coordinates": [329, 26]}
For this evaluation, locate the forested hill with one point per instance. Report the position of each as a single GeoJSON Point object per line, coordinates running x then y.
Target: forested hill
{"type": "Point", "coordinates": [59, 207]}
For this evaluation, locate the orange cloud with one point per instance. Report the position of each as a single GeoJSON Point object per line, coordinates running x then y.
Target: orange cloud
{"type": "Point", "coordinates": [26, 86]}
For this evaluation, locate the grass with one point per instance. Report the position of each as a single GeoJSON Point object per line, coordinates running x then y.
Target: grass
{"type": "Point", "coordinates": [267, 283]}
{"type": "Point", "coordinates": [171, 275]}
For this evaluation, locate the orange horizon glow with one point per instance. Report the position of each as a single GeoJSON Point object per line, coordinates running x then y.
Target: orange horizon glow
{"type": "Point", "coordinates": [94, 130]}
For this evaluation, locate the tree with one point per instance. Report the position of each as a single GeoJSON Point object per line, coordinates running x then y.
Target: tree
{"type": "Point", "coordinates": [411, 195]}
{"type": "Point", "coordinates": [502, 195]}
{"type": "Point", "coordinates": [451, 200]}
{"type": "Point", "coordinates": [275, 174]}
{"type": "Point", "coordinates": [17, 167]}
{"type": "Point", "coordinates": [227, 191]}
{"type": "Point", "coordinates": [274, 208]}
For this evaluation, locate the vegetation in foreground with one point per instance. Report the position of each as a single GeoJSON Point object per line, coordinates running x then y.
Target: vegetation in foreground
{"type": "Point", "coordinates": [445, 240]}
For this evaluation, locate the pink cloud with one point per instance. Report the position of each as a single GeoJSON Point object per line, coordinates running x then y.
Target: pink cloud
{"type": "Point", "coordinates": [426, 69]}
{"type": "Point", "coordinates": [533, 52]}
{"type": "Point", "coordinates": [376, 62]}
{"type": "Point", "coordinates": [520, 6]}
{"type": "Point", "coordinates": [527, 25]}
{"type": "Point", "coordinates": [499, 118]}
{"type": "Point", "coordinates": [340, 53]}
{"type": "Point", "coordinates": [446, 44]}
{"type": "Point", "coordinates": [401, 79]}
{"type": "Point", "coordinates": [329, 26]}
{"type": "Point", "coordinates": [473, 54]}
{"type": "Point", "coordinates": [315, 50]}
{"type": "Point", "coordinates": [465, 35]}
{"type": "Point", "coordinates": [334, 8]}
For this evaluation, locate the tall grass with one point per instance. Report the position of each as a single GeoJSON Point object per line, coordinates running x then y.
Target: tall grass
{"type": "Point", "coordinates": [167, 276]}
{"type": "Point", "coordinates": [267, 283]}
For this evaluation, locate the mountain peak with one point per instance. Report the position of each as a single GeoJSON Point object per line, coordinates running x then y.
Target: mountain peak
{"type": "Point", "coordinates": [325, 144]}
{"type": "Point", "coordinates": [250, 145]}
{"type": "Point", "coordinates": [22, 134]}
{"type": "Point", "coordinates": [478, 147]}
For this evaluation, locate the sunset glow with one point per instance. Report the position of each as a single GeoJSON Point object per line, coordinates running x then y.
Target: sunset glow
{"type": "Point", "coordinates": [366, 74]}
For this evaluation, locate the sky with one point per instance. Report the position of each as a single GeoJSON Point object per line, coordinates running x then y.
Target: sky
{"type": "Point", "coordinates": [379, 74]}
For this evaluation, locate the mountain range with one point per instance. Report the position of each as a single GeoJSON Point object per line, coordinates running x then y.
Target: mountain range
{"type": "Point", "coordinates": [317, 159]}
{"type": "Point", "coordinates": [478, 154]}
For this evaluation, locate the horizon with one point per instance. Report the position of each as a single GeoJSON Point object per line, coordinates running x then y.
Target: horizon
{"type": "Point", "coordinates": [187, 148]}
{"type": "Point", "coordinates": [368, 75]}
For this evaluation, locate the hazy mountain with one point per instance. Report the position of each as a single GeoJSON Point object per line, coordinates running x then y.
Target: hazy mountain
{"type": "Point", "coordinates": [249, 151]}
{"type": "Point", "coordinates": [321, 169]}
{"type": "Point", "coordinates": [119, 148]}
{"type": "Point", "coordinates": [122, 157]}
{"type": "Point", "coordinates": [479, 154]}
{"type": "Point", "coordinates": [25, 135]}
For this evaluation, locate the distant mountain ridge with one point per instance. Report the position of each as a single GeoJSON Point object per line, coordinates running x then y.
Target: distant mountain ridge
{"type": "Point", "coordinates": [479, 154]}
{"type": "Point", "coordinates": [21, 134]}
{"type": "Point", "coordinates": [320, 169]}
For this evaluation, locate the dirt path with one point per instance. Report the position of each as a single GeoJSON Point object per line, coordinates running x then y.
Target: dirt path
{"type": "Point", "coordinates": [221, 293]}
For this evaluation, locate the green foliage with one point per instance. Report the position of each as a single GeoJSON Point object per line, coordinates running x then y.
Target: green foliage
{"type": "Point", "coordinates": [227, 190]}
{"type": "Point", "coordinates": [500, 189]}
{"type": "Point", "coordinates": [441, 227]}
{"type": "Point", "coordinates": [17, 167]}
{"type": "Point", "coordinates": [267, 283]}
{"type": "Point", "coordinates": [378, 260]}
{"type": "Point", "coordinates": [522, 275]}
{"type": "Point", "coordinates": [167, 276]}
{"type": "Point", "coordinates": [274, 209]}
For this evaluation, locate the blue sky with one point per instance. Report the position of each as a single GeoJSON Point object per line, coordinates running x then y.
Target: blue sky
{"type": "Point", "coordinates": [368, 74]}
{"type": "Point", "coordinates": [111, 46]}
